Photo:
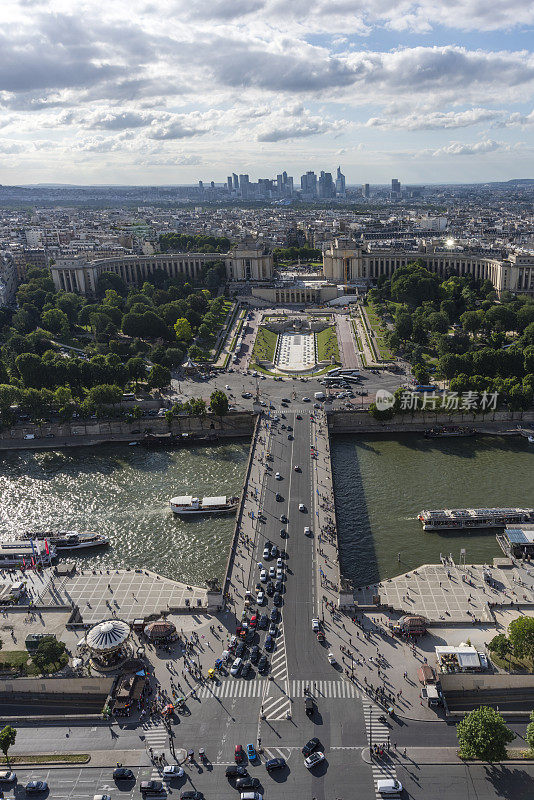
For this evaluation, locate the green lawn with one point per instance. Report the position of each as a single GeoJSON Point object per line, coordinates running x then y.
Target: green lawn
{"type": "Point", "coordinates": [327, 345]}
{"type": "Point", "coordinates": [47, 758]}
{"type": "Point", "coordinates": [265, 344]}
{"type": "Point", "coordinates": [513, 664]}
{"type": "Point", "coordinates": [379, 329]}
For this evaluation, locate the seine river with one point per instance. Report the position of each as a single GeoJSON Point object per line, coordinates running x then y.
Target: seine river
{"type": "Point", "coordinates": [381, 485]}
{"type": "Point", "coordinates": [124, 492]}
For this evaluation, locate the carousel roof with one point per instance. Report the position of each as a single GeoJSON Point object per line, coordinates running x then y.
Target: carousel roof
{"type": "Point", "coordinates": [108, 635]}
{"type": "Point", "coordinates": [160, 628]}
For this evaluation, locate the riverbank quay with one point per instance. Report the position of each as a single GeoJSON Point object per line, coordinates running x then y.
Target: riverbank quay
{"type": "Point", "coordinates": [236, 425]}
{"type": "Point", "coordinates": [497, 423]}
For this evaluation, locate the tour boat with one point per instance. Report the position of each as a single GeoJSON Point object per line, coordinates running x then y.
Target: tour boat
{"type": "Point", "coordinates": [467, 518]}
{"type": "Point", "coordinates": [26, 555]}
{"type": "Point", "coordinates": [187, 504]}
{"type": "Point", "coordinates": [69, 540]}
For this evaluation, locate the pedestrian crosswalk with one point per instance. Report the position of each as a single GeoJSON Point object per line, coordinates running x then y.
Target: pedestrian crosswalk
{"type": "Point", "coordinates": [279, 657]}
{"type": "Point", "coordinates": [276, 707]}
{"type": "Point", "coordinates": [378, 733]}
{"type": "Point", "coordinates": [156, 738]}
{"type": "Point", "coordinates": [236, 687]}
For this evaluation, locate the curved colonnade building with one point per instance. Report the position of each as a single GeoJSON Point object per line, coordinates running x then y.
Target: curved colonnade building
{"type": "Point", "coordinates": [344, 262]}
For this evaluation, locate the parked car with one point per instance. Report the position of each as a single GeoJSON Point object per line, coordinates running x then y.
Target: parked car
{"type": "Point", "coordinates": [313, 760]}
{"type": "Point", "coordinates": [123, 774]}
{"type": "Point", "coordinates": [316, 625]}
{"type": "Point", "coordinates": [36, 787]}
{"type": "Point", "coordinates": [310, 746]}
{"type": "Point", "coordinates": [172, 771]}
{"type": "Point", "coordinates": [239, 754]}
{"type": "Point", "coordinates": [236, 667]}
{"type": "Point", "coordinates": [251, 752]}
{"type": "Point", "coordinates": [275, 763]}
{"type": "Point", "coordinates": [247, 783]}
{"type": "Point", "coordinates": [151, 787]}
{"type": "Point", "coordinates": [235, 771]}
{"type": "Point", "coordinates": [191, 794]}
{"type": "Point", "coordinates": [6, 776]}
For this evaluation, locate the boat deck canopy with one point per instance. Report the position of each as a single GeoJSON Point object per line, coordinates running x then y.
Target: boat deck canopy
{"type": "Point", "coordinates": [184, 500]}
{"type": "Point", "coordinates": [214, 501]}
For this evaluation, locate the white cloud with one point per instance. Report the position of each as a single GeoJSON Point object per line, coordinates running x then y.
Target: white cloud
{"type": "Point", "coordinates": [475, 149]}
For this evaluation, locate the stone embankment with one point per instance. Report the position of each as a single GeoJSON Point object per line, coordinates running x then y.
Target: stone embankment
{"type": "Point", "coordinates": [496, 423]}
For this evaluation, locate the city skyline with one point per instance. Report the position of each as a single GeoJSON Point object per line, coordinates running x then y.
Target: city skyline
{"type": "Point", "coordinates": [183, 89]}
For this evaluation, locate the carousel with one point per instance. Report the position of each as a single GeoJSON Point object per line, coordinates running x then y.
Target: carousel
{"type": "Point", "coordinates": [161, 630]}
{"type": "Point", "coordinates": [108, 645]}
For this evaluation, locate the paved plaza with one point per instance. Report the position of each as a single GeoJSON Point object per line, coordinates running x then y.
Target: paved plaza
{"type": "Point", "coordinates": [450, 592]}
{"type": "Point", "coordinates": [296, 351]}
{"type": "Point", "coordinates": [128, 594]}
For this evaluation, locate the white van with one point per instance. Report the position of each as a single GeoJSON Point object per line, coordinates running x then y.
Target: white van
{"type": "Point", "coordinates": [319, 395]}
{"type": "Point", "coordinates": [251, 796]}
{"type": "Point", "coordinates": [29, 435]}
{"type": "Point", "coordinates": [389, 786]}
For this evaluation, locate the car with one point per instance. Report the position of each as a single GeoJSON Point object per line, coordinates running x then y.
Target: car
{"type": "Point", "coordinates": [283, 519]}
{"type": "Point", "coordinates": [279, 563]}
{"type": "Point", "coordinates": [290, 427]}
{"type": "Point", "coordinates": [172, 771]}
{"type": "Point", "coordinates": [263, 664]}
{"type": "Point", "coordinates": [254, 653]}
{"type": "Point", "coordinates": [320, 637]}
{"type": "Point", "coordinates": [259, 587]}
{"type": "Point", "coordinates": [307, 531]}
{"type": "Point", "coordinates": [299, 416]}
{"type": "Point", "coordinates": [245, 669]}
{"type": "Point", "coordinates": [277, 599]}
{"type": "Point", "coordinates": [283, 533]}
{"type": "Point", "coordinates": [313, 759]}
{"type": "Point", "coordinates": [6, 776]}
{"type": "Point", "coordinates": [309, 706]}
{"type": "Point", "coordinates": [235, 669]}
{"type": "Point", "coordinates": [332, 659]}
{"type": "Point", "coordinates": [275, 763]}
{"type": "Point", "coordinates": [253, 621]}
{"type": "Point", "coordinates": [286, 400]}
{"type": "Point", "coordinates": [260, 599]}
{"type": "Point", "coordinates": [316, 625]}
{"type": "Point", "coordinates": [247, 782]}
{"type": "Point", "coordinates": [250, 796]}
{"type": "Point", "coordinates": [306, 400]}
{"type": "Point", "coordinates": [302, 507]}
{"type": "Point", "coordinates": [151, 787]}
{"type": "Point", "coordinates": [389, 786]}
{"type": "Point", "coordinates": [251, 752]}
{"type": "Point", "coordinates": [235, 771]}
{"type": "Point", "coordinates": [263, 576]}
{"type": "Point", "coordinates": [191, 794]}
{"type": "Point", "coordinates": [297, 468]}
{"type": "Point", "coordinates": [310, 746]}
{"type": "Point", "coordinates": [35, 787]}
{"type": "Point", "coordinates": [277, 476]}
{"type": "Point", "coordinates": [279, 497]}
{"type": "Point", "coordinates": [269, 643]}
{"type": "Point", "coordinates": [272, 572]}
{"type": "Point", "coordinates": [317, 405]}
{"type": "Point", "coordinates": [279, 587]}
{"type": "Point", "coordinates": [246, 395]}
{"type": "Point", "coordinates": [101, 797]}
{"type": "Point", "coordinates": [273, 616]}
{"type": "Point", "coordinates": [240, 649]}
{"type": "Point", "coordinates": [290, 437]}
{"type": "Point", "coordinates": [263, 621]}
{"type": "Point", "coordinates": [239, 754]}
{"type": "Point", "coordinates": [279, 575]}
{"type": "Point", "coordinates": [272, 629]}
{"type": "Point", "coordinates": [274, 551]}
{"type": "Point", "coordinates": [266, 552]}
{"type": "Point", "coordinates": [270, 588]}
{"type": "Point", "coordinates": [123, 774]}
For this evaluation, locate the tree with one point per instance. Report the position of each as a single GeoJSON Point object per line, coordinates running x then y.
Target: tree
{"type": "Point", "coordinates": [521, 635]}
{"type": "Point", "coordinates": [105, 394]}
{"type": "Point", "coordinates": [219, 403]}
{"type": "Point", "coordinates": [500, 645]}
{"type": "Point", "coordinates": [530, 731]}
{"type": "Point", "coordinates": [403, 326]}
{"type": "Point", "coordinates": [55, 321]}
{"type": "Point", "coordinates": [482, 734]}
{"type": "Point", "coordinates": [7, 740]}
{"type": "Point", "coordinates": [108, 280]}
{"type": "Point", "coordinates": [136, 369]}
{"type": "Point", "coordinates": [182, 329]}
{"type": "Point", "coordinates": [49, 653]}
{"type": "Point", "coordinates": [159, 376]}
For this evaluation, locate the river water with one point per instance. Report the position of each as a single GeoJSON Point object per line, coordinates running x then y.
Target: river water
{"type": "Point", "coordinates": [124, 493]}
{"type": "Point", "coordinates": [381, 485]}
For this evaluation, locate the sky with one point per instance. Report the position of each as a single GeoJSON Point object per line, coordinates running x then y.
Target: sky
{"type": "Point", "coordinates": [173, 91]}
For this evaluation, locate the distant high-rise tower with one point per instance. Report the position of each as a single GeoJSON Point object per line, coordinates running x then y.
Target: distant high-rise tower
{"type": "Point", "coordinates": [229, 183]}
{"type": "Point", "coordinates": [366, 192]}
{"type": "Point", "coordinates": [395, 188]}
{"type": "Point", "coordinates": [340, 183]}
{"type": "Point", "coordinates": [244, 185]}
{"type": "Point", "coordinates": [326, 185]}
{"type": "Point", "coordinates": [236, 181]}
{"type": "Point", "coordinates": [308, 184]}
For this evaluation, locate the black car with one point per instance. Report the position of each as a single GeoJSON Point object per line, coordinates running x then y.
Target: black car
{"type": "Point", "coordinates": [309, 705]}
{"type": "Point", "coordinates": [245, 669]}
{"type": "Point", "coordinates": [279, 587]}
{"type": "Point", "coordinates": [290, 437]}
{"type": "Point", "coordinates": [263, 664]}
{"type": "Point", "coordinates": [123, 774]}
{"type": "Point", "coordinates": [254, 653]}
{"type": "Point", "coordinates": [270, 589]}
{"type": "Point", "coordinates": [275, 763]}
{"type": "Point", "coordinates": [283, 533]}
{"type": "Point", "coordinates": [35, 787]}
{"type": "Point", "coordinates": [274, 551]}
{"type": "Point", "coordinates": [310, 746]}
{"type": "Point", "coordinates": [235, 771]}
{"type": "Point", "coordinates": [263, 621]}
{"type": "Point", "coordinates": [151, 787]}
{"type": "Point", "coordinates": [299, 416]}
{"type": "Point", "coordinates": [277, 599]}
{"type": "Point", "coordinates": [283, 518]}
{"type": "Point", "coordinates": [269, 642]}
{"type": "Point", "coordinates": [290, 427]}
{"type": "Point", "coordinates": [286, 400]}
{"type": "Point", "coordinates": [247, 782]}
{"type": "Point", "coordinates": [191, 794]}
{"type": "Point", "coordinates": [273, 616]}
{"type": "Point", "coordinates": [240, 649]}
{"type": "Point", "coordinates": [279, 497]}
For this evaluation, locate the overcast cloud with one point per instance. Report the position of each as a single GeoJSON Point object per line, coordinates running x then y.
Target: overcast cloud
{"type": "Point", "coordinates": [178, 90]}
